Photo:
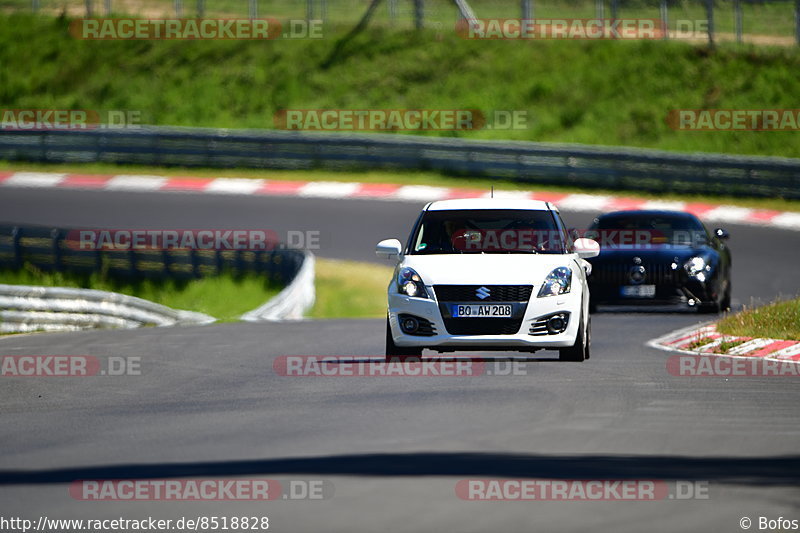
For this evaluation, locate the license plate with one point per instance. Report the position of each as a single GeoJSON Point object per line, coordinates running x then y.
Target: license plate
{"type": "Point", "coordinates": [482, 311]}
{"type": "Point", "coordinates": [639, 291]}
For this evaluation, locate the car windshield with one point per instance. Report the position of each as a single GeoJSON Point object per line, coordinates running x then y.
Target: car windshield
{"type": "Point", "coordinates": [647, 229]}
{"type": "Point", "coordinates": [487, 231]}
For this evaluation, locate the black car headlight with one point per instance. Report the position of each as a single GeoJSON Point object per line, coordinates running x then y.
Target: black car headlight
{"type": "Point", "coordinates": [697, 267]}
{"type": "Point", "coordinates": [559, 281]}
{"type": "Point", "coordinates": [410, 283]}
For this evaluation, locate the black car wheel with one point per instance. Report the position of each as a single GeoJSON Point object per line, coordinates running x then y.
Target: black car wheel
{"type": "Point", "coordinates": [395, 353]}
{"type": "Point", "coordinates": [579, 351]}
{"type": "Point", "coordinates": [725, 305]}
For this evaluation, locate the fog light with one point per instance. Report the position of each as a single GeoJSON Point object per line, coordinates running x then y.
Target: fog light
{"type": "Point", "coordinates": [409, 325]}
{"type": "Point", "coordinates": [556, 324]}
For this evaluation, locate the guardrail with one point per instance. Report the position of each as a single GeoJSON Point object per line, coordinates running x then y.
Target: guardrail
{"type": "Point", "coordinates": [57, 249]}
{"type": "Point", "coordinates": [555, 164]}
{"type": "Point", "coordinates": [29, 308]}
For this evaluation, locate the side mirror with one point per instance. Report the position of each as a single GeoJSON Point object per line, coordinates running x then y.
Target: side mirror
{"type": "Point", "coordinates": [722, 234]}
{"type": "Point", "coordinates": [389, 248]}
{"type": "Point", "coordinates": [586, 248]}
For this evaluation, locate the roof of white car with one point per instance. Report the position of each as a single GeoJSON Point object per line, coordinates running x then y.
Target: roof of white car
{"type": "Point", "coordinates": [491, 203]}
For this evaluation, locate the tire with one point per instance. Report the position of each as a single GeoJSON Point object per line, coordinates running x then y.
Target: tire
{"type": "Point", "coordinates": [708, 308]}
{"type": "Point", "coordinates": [395, 353]}
{"type": "Point", "coordinates": [580, 351]}
{"type": "Point", "coordinates": [725, 305]}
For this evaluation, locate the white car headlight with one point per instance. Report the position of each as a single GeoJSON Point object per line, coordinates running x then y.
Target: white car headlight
{"type": "Point", "coordinates": [410, 283]}
{"type": "Point", "coordinates": [557, 282]}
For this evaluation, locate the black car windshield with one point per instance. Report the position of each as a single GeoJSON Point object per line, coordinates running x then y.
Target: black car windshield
{"type": "Point", "coordinates": [650, 229]}
{"type": "Point", "coordinates": [487, 231]}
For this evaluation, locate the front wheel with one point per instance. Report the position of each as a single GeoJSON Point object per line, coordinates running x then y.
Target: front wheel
{"type": "Point", "coordinates": [396, 353]}
{"type": "Point", "coordinates": [580, 351]}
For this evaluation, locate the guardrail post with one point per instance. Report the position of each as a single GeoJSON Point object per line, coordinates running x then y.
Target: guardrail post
{"type": "Point", "coordinates": [35, 5]}
{"type": "Point", "coordinates": [526, 9]}
{"type": "Point", "coordinates": [309, 9]}
{"type": "Point", "coordinates": [614, 6]}
{"type": "Point", "coordinates": [133, 266]}
{"type": "Point", "coordinates": [710, 18]}
{"type": "Point", "coordinates": [88, 8]}
{"type": "Point", "coordinates": [54, 243]}
{"type": "Point", "coordinates": [108, 7]}
{"type": "Point", "coordinates": [201, 8]}
{"type": "Point", "coordinates": [599, 9]}
{"type": "Point", "coordinates": [419, 15]}
{"type": "Point", "coordinates": [195, 263]}
{"type": "Point", "coordinates": [166, 261]}
{"type": "Point", "coordinates": [253, 9]}
{"type": "Point", "coordinates": [16, 235]}
{"type": "Point", "coordinates": [665, 19]}
{"type": "Point", "coordinates": [737, 19]}
{"type": "Point", "coordinates": [238, 263]}
{"type": "Point", "coordinates": [178, 8]}
{"type": "Point", "coordinates": [797, 20]}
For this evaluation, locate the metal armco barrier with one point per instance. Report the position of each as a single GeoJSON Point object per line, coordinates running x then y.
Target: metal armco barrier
{"type": "Point", "coordinates": [51, 249]}
{"type": "Point", "coordinates": [555, 164]}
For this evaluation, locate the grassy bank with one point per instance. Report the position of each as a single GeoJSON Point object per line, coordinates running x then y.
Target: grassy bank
{"type": "Point", "coordinates": [223, 297]}
{"type": "Point", "coordinates": [349, 289]}
{"type": "Point", "coordinates": [392, 177]}
{"type": "Point", "coordinates": [345, 289]}
{"type": "Point", "coordinates": [779, 320]}
{"type": "Point", "coordinates": [612, 93]}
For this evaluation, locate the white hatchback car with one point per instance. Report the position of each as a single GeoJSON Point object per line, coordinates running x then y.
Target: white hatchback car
{"type": "Point", "coordinates": [489, 274]}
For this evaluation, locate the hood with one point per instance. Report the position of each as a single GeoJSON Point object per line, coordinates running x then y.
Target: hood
{"type": "Point", "coordinates": [655, 254]}
{"type": "Point", "coordinates": [486, 269]}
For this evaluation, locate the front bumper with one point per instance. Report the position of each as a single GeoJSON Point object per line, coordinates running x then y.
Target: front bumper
{"type": "Point", "coordinates": [520, 340]}
{"type": "Point", "coordinates": [666, 293]}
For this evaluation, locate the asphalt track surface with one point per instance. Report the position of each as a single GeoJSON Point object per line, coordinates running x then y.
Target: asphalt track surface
{"type": "Point", "coordinates": [209, 405]}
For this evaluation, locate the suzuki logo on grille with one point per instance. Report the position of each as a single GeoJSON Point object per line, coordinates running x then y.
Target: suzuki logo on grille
{"type": "Point", "coordinates": [483, 293]}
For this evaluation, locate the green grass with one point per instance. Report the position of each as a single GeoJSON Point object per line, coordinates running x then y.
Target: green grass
{"type": "Point", "coordinates": [595, 92]}
{"type": "Point", "coordinates": [699, 343]}
{"type": "Point", "coordinates": [778, 320]}
{"type": "Point", "coordinates": [223, 297]}
{"type": "Point", "coordinates": [380, 176]}
{"type": "Point", "coordinates": [726, 346]}
{"type": "Point", "coordinates": [345, 289]}
{"type": "Point", "coordinates": [348, 289]}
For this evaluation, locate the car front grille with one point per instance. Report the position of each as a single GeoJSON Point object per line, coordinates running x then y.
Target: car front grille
{"type": "Point", "coordinates": [619, 274]}
{"type": "Point", "coordinates": [482, 326]}
{"type": "Point", "coordinates": [497, 293]}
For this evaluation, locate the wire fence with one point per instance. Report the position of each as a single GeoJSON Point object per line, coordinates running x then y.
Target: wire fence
{"type": "Point", "coordinates": [774, 22]}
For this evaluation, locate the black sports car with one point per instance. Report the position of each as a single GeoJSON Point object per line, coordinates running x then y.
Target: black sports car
{"type": "Point", "coordinates": [659, 257]}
